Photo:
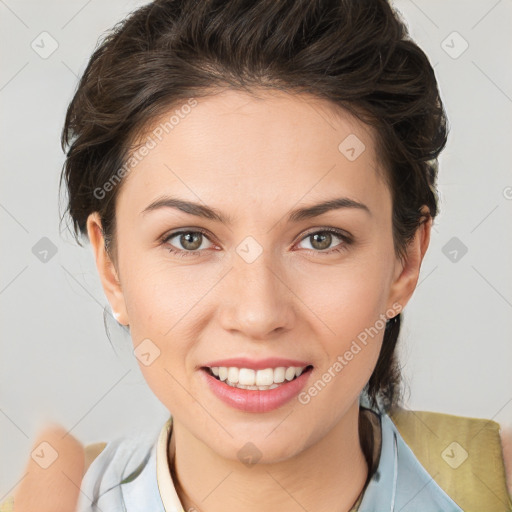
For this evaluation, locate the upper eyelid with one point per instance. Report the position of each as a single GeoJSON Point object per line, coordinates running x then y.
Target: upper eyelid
{"type": "Point", "coordinates": [336, 231]}
{"type": "Point", "coordinates": [181, 231]}
{"type": "Point", "coordinates": [165, 238]}
{"type": "Point", "coordinates": [340, 233]}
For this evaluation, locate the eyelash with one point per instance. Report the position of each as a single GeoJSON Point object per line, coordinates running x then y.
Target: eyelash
{"type": "Point", "coordinates": [337, 249]}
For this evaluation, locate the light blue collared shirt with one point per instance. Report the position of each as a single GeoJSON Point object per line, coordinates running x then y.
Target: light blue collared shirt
{"type": "Point", "coordinates": [131, 474]}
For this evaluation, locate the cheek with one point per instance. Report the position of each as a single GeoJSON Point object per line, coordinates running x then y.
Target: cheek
{"type": "Point", "coordinates": [349, 333]}
{"type": "Point", "coordinates": [348, 303]}
{"type": "Point", "coordinates": [165, 309]}
{"type": "Point", "coordinates": [157, 303]}
{"type": "Point", "coordinates": [348, 297]}
{"type": "Point", "coordinates": [158, 294]}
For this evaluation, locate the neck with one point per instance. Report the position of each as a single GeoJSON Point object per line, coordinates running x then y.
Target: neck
{"type": "Point", "coordinates": [335, 464]}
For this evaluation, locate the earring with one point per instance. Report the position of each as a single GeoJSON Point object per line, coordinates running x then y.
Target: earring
{"type": "Point", "coordinates": [114, 314]}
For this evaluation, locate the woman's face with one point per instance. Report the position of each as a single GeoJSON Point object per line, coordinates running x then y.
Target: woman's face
{"type": "Point", "coordinates": [264, 282]}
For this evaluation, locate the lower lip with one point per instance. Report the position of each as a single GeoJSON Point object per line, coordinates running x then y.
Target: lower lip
{"type": "Point", "coordinates": [254, 400]}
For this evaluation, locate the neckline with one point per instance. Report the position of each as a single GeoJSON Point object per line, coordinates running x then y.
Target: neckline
{"type": "Point", "coordinates": [371, 428]}
{"type": "Point", "coordinates": [165, 478]}
{"type": "Point", "coordinates": [165, 483]}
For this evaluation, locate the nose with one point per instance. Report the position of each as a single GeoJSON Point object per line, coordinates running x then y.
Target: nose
{"type": "Point", "coordinates": [257, 300]}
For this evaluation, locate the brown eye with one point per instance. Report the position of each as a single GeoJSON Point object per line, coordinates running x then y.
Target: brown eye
{"type": "Point", "coordinates": [186, 242]}
{"type": "Point", "coordinates": [321, 241]}
{"type": "Point", "coordinates": [191, 241]}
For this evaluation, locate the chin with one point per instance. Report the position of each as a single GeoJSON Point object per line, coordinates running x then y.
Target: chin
{"type": "Point", "coordinates": [251, 446]}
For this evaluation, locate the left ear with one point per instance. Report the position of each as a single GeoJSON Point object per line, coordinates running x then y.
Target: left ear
{"type": "Point", "coordinates": [407, 271]}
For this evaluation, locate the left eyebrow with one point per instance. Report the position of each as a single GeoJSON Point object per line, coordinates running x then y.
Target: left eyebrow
{"type": "Point", "coordinates": [296, 215]}
{"type": "Point", "coordinates": [320, 208]}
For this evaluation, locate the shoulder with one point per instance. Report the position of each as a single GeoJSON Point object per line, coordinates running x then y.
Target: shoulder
{"type": "Point", "coordinates": [119, 456]}
{"type": "Point", "coordinates": [113, 468]}
{"type": "Point", "coordinates": [7, 505]}
{"type": "Point", "coordinates": [91, 452]}
{"type": "Point", "coordinates": [464, 455]}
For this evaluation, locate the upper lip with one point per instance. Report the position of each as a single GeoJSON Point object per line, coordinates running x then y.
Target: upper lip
{"type": "Point", "coordinates": [260, 364]}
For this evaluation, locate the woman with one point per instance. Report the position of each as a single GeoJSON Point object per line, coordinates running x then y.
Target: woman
{"type": "Point", "coordinates": [258, 184]}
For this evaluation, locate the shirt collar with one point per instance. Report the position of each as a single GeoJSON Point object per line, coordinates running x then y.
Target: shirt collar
{"type": "Point", "coordinates": [166, 487]}
{"type": "Point", "coordinates": [399, 483]}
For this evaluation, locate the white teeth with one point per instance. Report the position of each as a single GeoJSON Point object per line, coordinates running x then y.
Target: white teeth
{"type": "Point", "coordinates": [289, 374]}
{"type": "Point", "coordinates": [223, 373]}
{"type": "Point", "coordinates": [233, 375]}
{"type": "Point", "coordinates": [260, 388]}
{"type": "Point", "coordinates": [265, 377]}
{"type": "Point", "coordinates": [279, 374]}
{"type": "Point", "coordinates": [247, 378]}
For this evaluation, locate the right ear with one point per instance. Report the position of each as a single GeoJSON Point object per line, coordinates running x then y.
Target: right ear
{"type": "Point", "coordinates": [106, 269]}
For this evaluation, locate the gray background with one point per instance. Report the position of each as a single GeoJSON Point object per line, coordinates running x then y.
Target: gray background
{"type": "Point", "coordinates": [56, 363]}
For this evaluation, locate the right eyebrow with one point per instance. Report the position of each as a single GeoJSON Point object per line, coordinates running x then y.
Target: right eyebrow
{"type": "Point", "coordinates": [187, 207]}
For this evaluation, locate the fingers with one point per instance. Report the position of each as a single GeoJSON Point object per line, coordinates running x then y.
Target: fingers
{"type": "Point", "coordinates": [53, 474]}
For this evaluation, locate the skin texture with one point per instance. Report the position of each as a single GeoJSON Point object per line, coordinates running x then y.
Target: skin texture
{"type": "Point", "coordinates": [506, 443]}
{"type": "Point", "coordinates": [52, 477]}
{"type": "Point", "coordinates": [256, 159]}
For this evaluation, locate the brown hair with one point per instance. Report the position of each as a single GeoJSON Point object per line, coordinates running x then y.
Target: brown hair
{"type": "Point", "coordinates": [354, 53]}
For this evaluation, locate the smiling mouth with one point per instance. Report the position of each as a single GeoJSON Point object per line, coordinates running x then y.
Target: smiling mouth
{"type": "Point", "coordinates": [261, 380]}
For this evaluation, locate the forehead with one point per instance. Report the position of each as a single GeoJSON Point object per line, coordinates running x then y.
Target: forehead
{"type": "Point", "coordinates": [234, 145]}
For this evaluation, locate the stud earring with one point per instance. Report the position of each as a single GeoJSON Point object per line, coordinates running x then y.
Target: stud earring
{"type": "Point", "coordinates": [114, 314]}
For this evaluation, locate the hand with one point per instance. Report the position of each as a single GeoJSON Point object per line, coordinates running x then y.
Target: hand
{"type": "Point", "coordinates": [506, 443]}
{"type": "Point", "coordinates": [56, 488]}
